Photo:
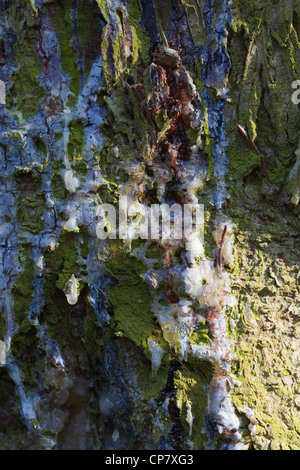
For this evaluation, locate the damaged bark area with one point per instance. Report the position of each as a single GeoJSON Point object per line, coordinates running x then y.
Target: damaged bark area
{"type": "Point", "coordinates": [149, 344]}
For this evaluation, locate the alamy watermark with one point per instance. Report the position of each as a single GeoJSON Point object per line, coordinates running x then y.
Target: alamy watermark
{"type": "Point", "coordinates": [296, 94]}
{"type": "Point", "coordinates": [134, 221]}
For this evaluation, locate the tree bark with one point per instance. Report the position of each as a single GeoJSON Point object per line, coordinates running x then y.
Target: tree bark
{"type": "Point", "coordinates": [160, 344]}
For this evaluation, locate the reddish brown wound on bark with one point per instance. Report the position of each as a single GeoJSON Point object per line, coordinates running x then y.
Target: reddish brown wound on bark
{"type": "Point", "coordinates": [223, 236]}
{"type": "Point", "coordinates": [103, 293]}
{"type": "Point", "coordinates": [220, 248]}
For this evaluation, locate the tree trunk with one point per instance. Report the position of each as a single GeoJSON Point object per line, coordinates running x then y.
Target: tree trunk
{"type": "Point", "coordinates": [129, 343]}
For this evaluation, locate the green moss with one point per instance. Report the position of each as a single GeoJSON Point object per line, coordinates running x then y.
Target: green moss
{"type": "Point", "coordinates": [33, 6]}
{"type": "Point", "coordinates": [264, 97]}
{"type": "Point", "coordinates": [201, 334]}
{"type": "Point", "coordinates": [40, 145]}
{"type": "Point", "coordinates": [69, 56]}
{"type": "Point", "coordinates": [241, 162]}
{"type": "Point", "coordinates": [156, 252]}
{"type": "Point", "coordinates": [89, 30]}
{"type": "Point", "coordinates": [131, 300]}
{"type": "Point", "coordinates": [60, 265]}
{"type": "Point", "coordinates": [104, 8]}
{"type": "Point", "coordinates": [60, 317]}
{"type": "Point", "coordinates": [190, 383]}
{"type": "Point", "coordinates": [59, 190]}
{"type": "Point", "coordinates": [31, 201]}
{"type": "Point", "coordinates": [126, 125]}
{"type": "Point", "coordinates": [116, 106]}
{"type": "Point", "coordinates": [56, 315]}
{"type": "Point", "coordinates": [30, 212]}
{"type": "Point", "coordinates": [194, 10]}
{"type": "Point", "coordinates": [209, 241]}
{"type": "Point", "coordinates": [80, 167]}
{"type": "Point", "coordinates": [141, 42]}
{"type": "Point", "coordinates": [146, 412]}
{"type": "Point", "coordinates": [62, 262]}
{"type": "Point", "coordinates": [24, 80]}
{"type": "Point", "coordinates": [22, 290]}
{"type": "Point", "coordinates": [276, 36]}
{"type": "Point", "coordinates": [58, 136]}
{"type": "Point", "coordinates": [150, 384]}
{"type": "Point", "coordinates": [75, 139]}
{"type": "Point", "coordinates": [27, 353]}
{"type": "Point", "coordinates": [115, 64]}
{"type": "Point", "coordinates": [16, 136]}
{"type": "Point", "coordinates": [163, 9]}
{"type": "Point", "coordinates": [266, 277]}
{"type": "Point", "coordinates": [108, 194]}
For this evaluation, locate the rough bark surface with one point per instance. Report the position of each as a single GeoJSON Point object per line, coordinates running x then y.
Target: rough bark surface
{"type": "Point", "coordinates": [145, 344]}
